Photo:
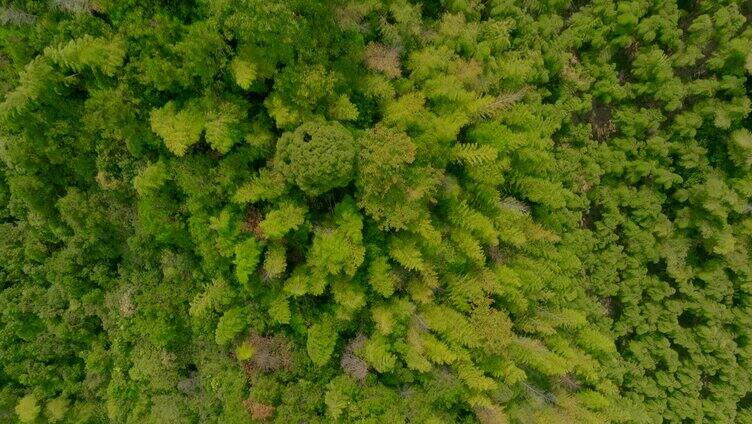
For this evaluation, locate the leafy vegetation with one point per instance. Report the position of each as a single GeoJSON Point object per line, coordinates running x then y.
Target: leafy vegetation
{"type": "Point", "coordinates": [375, 211]}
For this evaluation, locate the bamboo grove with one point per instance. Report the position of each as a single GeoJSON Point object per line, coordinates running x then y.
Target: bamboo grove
{"type": "Point", "coordinates": [362, 211]}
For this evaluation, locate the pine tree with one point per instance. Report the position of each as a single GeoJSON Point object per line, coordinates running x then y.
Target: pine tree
{"type": "Point", "coordinates": [320, 342]}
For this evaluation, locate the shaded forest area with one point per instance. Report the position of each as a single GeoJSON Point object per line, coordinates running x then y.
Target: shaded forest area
{"type": "Point", "coordinates": [362, 211]}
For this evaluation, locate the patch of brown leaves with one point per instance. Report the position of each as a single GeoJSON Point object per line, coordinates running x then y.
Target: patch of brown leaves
{"type": "Point", "coordinates": [378, 57]}
{"type": "Point", "coordinates": [259, 411]}
{"type": "Point", "coordinates": [600, 121]}
{"type": "Point", "coordinates": [491, 415]}
{"type": "Point", "coordinates": [351, 363]}
{"type": "Point", "coordinates": [252, 223]}
{"type": "Point", "coordinates": [271, 353]}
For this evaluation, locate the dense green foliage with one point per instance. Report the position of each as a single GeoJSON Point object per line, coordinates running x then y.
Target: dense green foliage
{"type": "Point", "coordinates": [373, 211]}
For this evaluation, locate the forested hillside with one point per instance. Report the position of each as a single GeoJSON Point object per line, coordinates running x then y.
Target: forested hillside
{"type": "Point", "coordinates": [363, 211]}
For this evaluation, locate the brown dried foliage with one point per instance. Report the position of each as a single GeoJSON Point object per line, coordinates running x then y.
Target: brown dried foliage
{"type": "Point", "coordinates": [78, 6]}
{"type": "Point", "coordinates": [252, 223]}
{"type": "Point", "coordinates": [13, 16]}
{"type": "Point", "coordinates": [503, 102]}
{"type": "Point", "coordinates": [351, 363]}
{"type": "Point", "coordinates": [271, 353]}
{"type": "Point", "coordinates": [470, 72]}
{"type": "Point", "coordinates": [349, 16]}
{"type": "Point", "coordinates": [610, 306]}
{"type": "Point", "coordinates": [600, 121]}
{"type": "Point", "coordinates": [569, 382]}
{"type": "Point", "coordinates": [378, 57]}
{"type": "Point", "coordinates": [125, 304]}
{"type": "Point", "coordinates": [259, 411]}
{"type": "Point", "coordinates": [495, 254]}
{"type": "Point", "coordinates": [491, 415]}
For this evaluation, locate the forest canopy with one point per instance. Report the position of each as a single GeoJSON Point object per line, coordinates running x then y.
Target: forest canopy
{"type": "Point", "coordinates": [375, 211]}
